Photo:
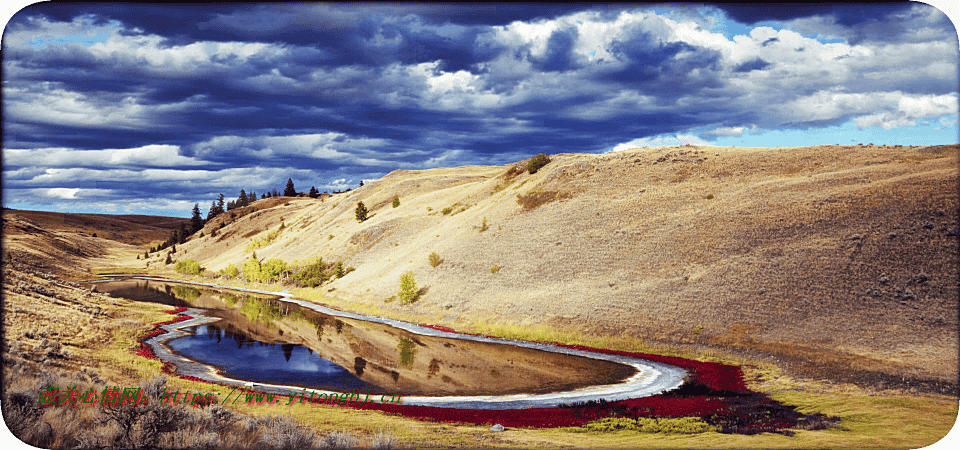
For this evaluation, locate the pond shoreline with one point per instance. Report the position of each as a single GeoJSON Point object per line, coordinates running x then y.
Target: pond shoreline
{"type": "Point", "coordinates": [651, 377]}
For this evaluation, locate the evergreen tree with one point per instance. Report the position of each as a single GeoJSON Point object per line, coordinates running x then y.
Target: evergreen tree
{"type": "Point", "coordinates": [168, 260]}
{"type": "Point", "coordinates": [196, 222]}
{"type": "Point", "coordinates": [220, 205]}
{"type": "Point", "coordinates": [289, 191]}
{"type": "Point", "coordinates": [213, 210]}
{"type": "Point", "coordinates": [184, 233]}
{"type": "Point", "coordinates": [313, 192]}
{"type": "Point", "coordinates": [242, 200]}
{"type": "Point", "coordinates": [361, 212]}
{"type": "Point", "coordinates": [396, 201]}
{"type": "Point", "coordinates": [252, 197]}
{"type": "Point", "coordinates": [361, 183]}
{"type": "Point", "coordinates": [408, 288]}
{"type": "Point", "coordinates": [275, 193]}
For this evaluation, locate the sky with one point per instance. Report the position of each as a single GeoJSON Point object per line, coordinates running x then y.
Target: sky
{"type": "Point", "coordinates": [149, 109]}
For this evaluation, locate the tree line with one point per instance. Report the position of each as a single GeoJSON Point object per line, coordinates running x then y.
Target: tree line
{"type": "Point", "coordinates": [219, 206]}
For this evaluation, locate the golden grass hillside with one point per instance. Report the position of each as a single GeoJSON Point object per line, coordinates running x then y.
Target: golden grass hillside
{"type": "Point", "coordinates": [837, 262]}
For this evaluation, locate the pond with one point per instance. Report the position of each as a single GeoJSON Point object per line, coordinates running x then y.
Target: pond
{"type": "Point", "coordinates": [283, 342]}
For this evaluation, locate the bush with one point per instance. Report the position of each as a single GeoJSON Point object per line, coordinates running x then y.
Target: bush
{"type": "Point", "coordinates": [495, 269]}
{"type": "Point", "coordinates": [188, 267]}
{"type": "Point", "coordinates": [435, 259]}
{"type": "Point", "coordinates": [408, 288]}
{"type": "Point", "coordinates": [231, 271]}
{"type": "Point", "coordinates": [709, 196]}
{"type": "Point", "coordinates": [537, 198]}
{"type": "Point", "coordinates": [680, 425]}
{"type": "Point", "coordinates": [310, 275]}
{"type": "Point", "coordinates": [483, 226]}
{"type": "Point", "coordinates": [537, 162]}
{"type": "Point", "coordinates": [361, 212]}
{"type": "Point", "coordinates": [271, 270]}
{"type": "Point", "coordinates": [396, 201]}
{"type": "Point", "coordinates": [251, 269]}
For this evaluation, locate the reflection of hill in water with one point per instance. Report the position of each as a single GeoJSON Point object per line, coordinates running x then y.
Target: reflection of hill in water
{"type": "Point", "coordinates": [396, 360]}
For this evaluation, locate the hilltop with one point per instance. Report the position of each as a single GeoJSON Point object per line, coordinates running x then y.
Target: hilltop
{"type": "Point", "coordinates": [837, 262]}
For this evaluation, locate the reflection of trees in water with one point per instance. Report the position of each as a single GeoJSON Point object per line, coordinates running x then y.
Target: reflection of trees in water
{"type": "Point", "coordinates": [186, 293]}
{"type": "Point", "coordinates": [408, 350]}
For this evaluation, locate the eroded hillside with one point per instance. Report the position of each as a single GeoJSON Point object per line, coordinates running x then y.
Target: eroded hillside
{"type": "Point", "coordinates": [840, 261]}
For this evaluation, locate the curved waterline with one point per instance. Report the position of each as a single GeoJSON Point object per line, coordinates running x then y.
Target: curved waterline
{"type": "Point", "coordinates": [652, 378]}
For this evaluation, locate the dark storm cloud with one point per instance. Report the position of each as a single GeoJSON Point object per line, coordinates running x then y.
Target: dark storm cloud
{"type": "Point", "coordinates": [847, 14]}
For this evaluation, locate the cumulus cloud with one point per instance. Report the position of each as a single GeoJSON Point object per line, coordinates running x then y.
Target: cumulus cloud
{"type": "Point", "coordinates": [661, 141]}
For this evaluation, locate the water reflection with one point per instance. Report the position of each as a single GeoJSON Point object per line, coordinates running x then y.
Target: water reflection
{"type": "Point", "coordinates": [238, 356]}
{"type": "Point", "coordinates": [259, 338]}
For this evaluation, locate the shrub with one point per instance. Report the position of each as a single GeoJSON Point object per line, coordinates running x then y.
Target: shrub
{"type": "Point", "coordinates": [495, 269]}
{"type": "Point", "coordinates": [272, 269]}
{"type": "Point", "coordinates": [189, 267]}
{"type": "Point", "coordinates": [168, 260]}
{"type": "Point", "coordinates": [537, 162]}
{"type": "Point", "coordinates": [231, 271]}
{"type": "Point", "coordinates": [396, 201]}
{"type": "Point", "coordinates": [361, 212]}
{"type": "Point", "coordinates": [709, 196]}
{"type": "Point", "coordinates": [435, 259]}
{"type": "Point", "coordinates": [339, 270]}
{"type": "Point", "coordinates": [251, 269]}
{"type": "Point", "coordinates": [408, 288]}
{"type": "Point", "coordinates": [483, 226]}
{"type": "Point", "coordinates": [446, 210]}
{"type": "Point", "coordinates": [680, 425]}
{"type": "Point", "coordinates": [311, 274]}
{"type": "Point", "coordinates": [537, 198]}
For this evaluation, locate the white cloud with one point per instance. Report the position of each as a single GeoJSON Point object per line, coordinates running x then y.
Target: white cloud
{"type": "Point", "coordinates": [148, 155]}
{"type": "Point", "coordinates": [663, 140]}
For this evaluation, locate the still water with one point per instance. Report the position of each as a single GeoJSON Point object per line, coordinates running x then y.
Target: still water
{"type": "Point", "coordinates": [262, 339]}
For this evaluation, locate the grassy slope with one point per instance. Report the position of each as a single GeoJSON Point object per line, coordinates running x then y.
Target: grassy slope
{"type": "Point", "coordinates": [654, 237]}
{"type": "Point", "coordinates": [805, 253]}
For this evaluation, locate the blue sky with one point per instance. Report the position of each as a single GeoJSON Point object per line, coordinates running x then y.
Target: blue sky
{"type": "Point", "coordinates": [148, 109]}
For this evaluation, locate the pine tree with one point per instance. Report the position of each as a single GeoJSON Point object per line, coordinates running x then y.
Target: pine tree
{"type": "Point", "coordinates": [408, 288]}
{"type": "Point", "coordinates": [361, 183]}
{"type": "Point", "coordinates": [242, 200]}
{"type": "Point", "coordinates": [252, 197]}
{"type": "Point", "coordinates": [213, 210]}
{"type": "Point", "coordinates": [361, 212]}
{"type": "Point", "coordinates": [289, 191]}
{"type": "Point", "coordinates": [313, 192]}
{"type": "Point", "coordinates": [396, 201]}
{"type": "Point", "coordinates": [196, 222]}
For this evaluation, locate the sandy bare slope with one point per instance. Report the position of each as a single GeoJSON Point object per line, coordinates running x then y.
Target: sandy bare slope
{"type": "Point", "coordinates": [840, 261]}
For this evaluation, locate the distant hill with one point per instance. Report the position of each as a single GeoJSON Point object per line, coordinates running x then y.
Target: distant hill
{"type": "Point", "coordinates": [128, 229]}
